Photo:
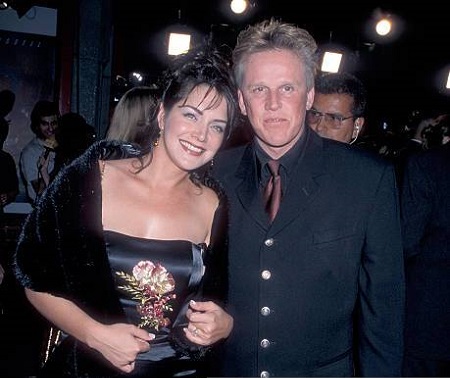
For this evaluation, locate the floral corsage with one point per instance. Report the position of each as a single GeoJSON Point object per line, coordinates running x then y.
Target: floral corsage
{"type": "Point", "coordinates": [151, 285]}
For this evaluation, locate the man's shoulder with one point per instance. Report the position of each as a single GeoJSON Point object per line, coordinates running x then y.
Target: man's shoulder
{"type": "Point", "coordinates": [341, 153]}
{"type": "Point", "coordinates": [31, 147]}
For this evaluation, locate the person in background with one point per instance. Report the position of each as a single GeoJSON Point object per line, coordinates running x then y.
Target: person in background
{"type": "Point", "coordinates": [317, 287]}
{"type": "Point", "coordinates": [7, 100]}
{"type": "Point", "coordinates": [437, 133]}
{"type": "Point", "coordinates": [73, 137]}
{"type": "Point", "coordinates": [130, 121]}
{"type": "Point", "coordinates": [20, 326]}
{"type": "Point", "coordinates": [425, 205]}
{"type": "Point", "coordinates": [9, 184]}
{"type": "Point", "coordinates": [136, 274]}
{"type": "Point", "coordinates": [37, 158]}
{"type": "Point", "coordinates": [421, 125]}
{"type": "Point", "coordinates": [339, 107]}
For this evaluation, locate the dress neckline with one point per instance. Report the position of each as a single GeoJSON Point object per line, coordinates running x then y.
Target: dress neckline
{"type": "Point", "coordinates": [112, 232]}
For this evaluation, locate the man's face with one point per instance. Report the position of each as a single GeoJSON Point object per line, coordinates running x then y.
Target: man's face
{"type": "Point", "coordinates": [331, 117]}
{"type": "Point", "coordinates": [47, 126]}
{"type": "Point", "coordinates": [274, 97]}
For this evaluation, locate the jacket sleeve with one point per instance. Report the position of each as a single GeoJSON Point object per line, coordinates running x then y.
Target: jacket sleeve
{"type": "Point", "coordinates": [380, 310]}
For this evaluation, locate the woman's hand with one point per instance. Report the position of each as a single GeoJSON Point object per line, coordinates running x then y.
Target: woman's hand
{"type": "Point", "coordinates": [208, 323]}
{"type": "Point", "coordinates": [120, 344]}
{"type": "Point", "coordinates": [43, 163]}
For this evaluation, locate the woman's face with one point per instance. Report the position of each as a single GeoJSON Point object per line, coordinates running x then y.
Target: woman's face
{"type": "Point", "coordinates": [192, 131]}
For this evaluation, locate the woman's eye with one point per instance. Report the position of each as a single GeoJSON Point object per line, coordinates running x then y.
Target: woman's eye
{"type": "Point", "coordinates": [191, 116]}
{"type": "Point", "coordinates": [218, 128]}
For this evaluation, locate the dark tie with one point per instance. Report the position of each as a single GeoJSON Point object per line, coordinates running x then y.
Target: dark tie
{"type": "Point", "coordinates": [272, 191]}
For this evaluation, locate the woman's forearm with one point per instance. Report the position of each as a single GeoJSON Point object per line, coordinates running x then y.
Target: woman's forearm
{"type": "Point", "coordinates": [64, 314]}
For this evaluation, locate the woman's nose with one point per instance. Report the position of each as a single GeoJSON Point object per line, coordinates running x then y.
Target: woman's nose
{"type": "Point", "coordinates": [200, 134]}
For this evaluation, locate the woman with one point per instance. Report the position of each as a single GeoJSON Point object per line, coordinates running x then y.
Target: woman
{"type": "Point", "coordinates": [130, 120]}
{"type": "Point", "coordinates": [126, 251]}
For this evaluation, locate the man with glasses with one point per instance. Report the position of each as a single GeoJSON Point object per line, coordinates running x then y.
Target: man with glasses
{"type": "Point", "coordinates": [339, 106]}
{"type": "Point", "coordinates": [37, 157]}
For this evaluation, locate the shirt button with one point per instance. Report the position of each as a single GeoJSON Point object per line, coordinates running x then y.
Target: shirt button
{"type": "Point", "coordinates": [265, 311]}
{"type": "Point", "coordinates": [265, 274]}
{"type": "Point", "coordinates": [265, 343]}
{"type": "Point", "coordinates": [268, 242]}
{"type": "Point", "coordinates": [265, 374]}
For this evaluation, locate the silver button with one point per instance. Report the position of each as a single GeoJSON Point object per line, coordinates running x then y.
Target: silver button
{"type": "Point", "coordinates": [265, 374]}
{"type": "Point", "coordinates": [265, 311]}
{"type": "Point", "coordinates": [268, 242]}
{"type": "Point", "coordinates": [265, 274]}
{"type": "Point", "coordinates": [264, 343]}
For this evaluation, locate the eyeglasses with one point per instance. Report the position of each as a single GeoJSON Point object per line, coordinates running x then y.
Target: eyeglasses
{"type": "Point", "coordinates": [335, 120]}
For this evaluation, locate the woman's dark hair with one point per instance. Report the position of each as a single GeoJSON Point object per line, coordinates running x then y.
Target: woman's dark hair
{"type": "Point", "coordinates": [203, 65]}
{"type": "Point", "coordinates": [41, 109]}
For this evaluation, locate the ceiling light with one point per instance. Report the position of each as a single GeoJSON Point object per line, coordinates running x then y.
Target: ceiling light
{"type": "Point", "coordinates": [331, 61]}
{"type": "Point", "coordinates": [238, 6]}
{"type": "Point", "coordinates": [179, 43]}
{"type": "Point", "coordinates": [383, 27]}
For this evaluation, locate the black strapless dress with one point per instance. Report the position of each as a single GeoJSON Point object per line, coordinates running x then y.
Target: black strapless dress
{"type": "Point", "coordinates": [183, 262]}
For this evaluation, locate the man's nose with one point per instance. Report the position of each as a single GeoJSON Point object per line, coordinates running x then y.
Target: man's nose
{"type": "Point", "coordinates": [273, 101]}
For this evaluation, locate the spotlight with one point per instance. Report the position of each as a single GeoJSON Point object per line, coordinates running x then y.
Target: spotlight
{"type": "Point", "coordinates": [239, 6]}
{"type": "Point", "coordinates": [383, 27]}
{"type": "Point", "coordinates": [331, 61]}
{"type": "Point", "coordinates": [179, 43]}
{"type": "Point", "coordinates": [4, 5]}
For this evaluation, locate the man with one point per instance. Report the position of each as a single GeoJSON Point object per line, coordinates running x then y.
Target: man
{"type": "Point", "coordinates": [37, 157]}
{"type": "Point", "coordinates": [426, 230]}
{"type": "Point", "coordinates": [320, 290]}
{"type": "Point", "coordinates": [339, 106]}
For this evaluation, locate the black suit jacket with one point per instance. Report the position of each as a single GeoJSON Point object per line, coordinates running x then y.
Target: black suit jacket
{"type": "Point", "coordinates": [426, 228]}
{"type": "Point", "coordinates": [320, 292]}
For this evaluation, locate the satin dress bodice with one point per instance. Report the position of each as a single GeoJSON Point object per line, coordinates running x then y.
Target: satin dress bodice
{"type": "Point", "coordinates": [182, 261]}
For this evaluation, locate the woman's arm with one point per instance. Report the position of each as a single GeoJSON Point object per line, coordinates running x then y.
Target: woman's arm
{"type": "Point", "coordinates": [118, 343]}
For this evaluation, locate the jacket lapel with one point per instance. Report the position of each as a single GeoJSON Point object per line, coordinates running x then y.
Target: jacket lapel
{"type": "Point", "coordinates": [247, 188]}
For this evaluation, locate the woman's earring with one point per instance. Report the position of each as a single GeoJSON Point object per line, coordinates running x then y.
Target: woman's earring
{"type": "Point", "coordinates": [156, 141]}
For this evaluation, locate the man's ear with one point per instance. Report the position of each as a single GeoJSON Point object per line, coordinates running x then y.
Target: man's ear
{"type": "Point", "coordinates": [357, 127]}
{"type": "Point", "coordinates": [242, 103]}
